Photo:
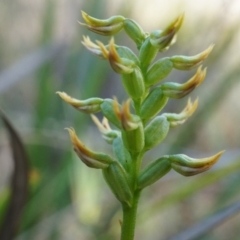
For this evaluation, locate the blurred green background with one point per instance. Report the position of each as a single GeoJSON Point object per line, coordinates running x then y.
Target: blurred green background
{"type": "Point", "coordinates": [41, 53]}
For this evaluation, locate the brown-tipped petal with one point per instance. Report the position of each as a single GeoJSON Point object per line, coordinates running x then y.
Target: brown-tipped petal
{"type": "Point", "coordinates": [127, 120]}
{"type": "Point", "coordinates": [102, 22]}
{"type": "Point", "coordinates": [193, 82]}
{"type": "Point", "coordinates": [163, 39]}
{"type": "Point", "coordinates": [116, 108]}
{"type": "Point", "coordinates": [90, 158]}
{"type": "Point", "coordinates": [177, 119]}
{"type": "Point", "coordinates": [107, 133]}
{"type": "Point", "coordinates": [103, 49]}
{"type": "Point", "coordinates": [105, 27]}
{"type": "Point", "coordinates": [186, 171]}
{"type": "Point", "coordinates": [185, 161]}
{"type": "Point", "coordinates": [91, 105]}
{"type": "Point", "coordinates": [92, 47]}
{"type": "Point", "coordinates": [189, 62]}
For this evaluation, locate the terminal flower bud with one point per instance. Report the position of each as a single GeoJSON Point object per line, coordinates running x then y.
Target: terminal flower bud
{"type": "Point", "coordinates": [176, 90]}
{"type": "Point", "coordinates": [107, 133]}
{"type": "Point", "coordinates": [190, 62]}
{"type": "Point", "coordinates": [134, 31]}
{"type": "Point", "coordinates": [162, 39]}
{"type": "Point", "coordinates": [153, 172]}
{"type": "Point", "coordinates": [177, 119]}
{"type": "Point", "coordinates": [105, 27]}
{"type": "Point", "coordinates": [91, 105]}
{"type": "Point", "coordinates": [90, 158]}
{"type": "Point", "coordinates": [116, 178]}
{"type": "Point", "coordinates": [191, 166]}
{"type": "Point", "coordinates": [158, 71]}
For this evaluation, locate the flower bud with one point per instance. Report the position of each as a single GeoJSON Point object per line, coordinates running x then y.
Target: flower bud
{"type": "Point", "coordinates": [153, 172]}
{"type": "Point", "coordinates": [105, 27]}
{"type": "Point", "coordinates": [107, 133]}
{"type": "Point", "coordinates": [134, 139]}
{"type": "Point", "coordinates": [190, 62]}
{"type": "Point", "coordinates": [91, 105]}
{"type": "Point", "coordinates": [158, 71]}
{"type": "Point", "coordinates": [134, 31]}
{"type": "Point", "coordinates": [177, 119]}
{"type": "Point", "coordinates": [163, 39]}
{"type": "Point", "coordinates": [153, 104]}
{"type": "Point", "coordinates": [191, 166]}
{"type": "Point", "coordinates": [116, 178]}
{"type": "Point", "coordinates": [119, 65]}
{"type": "Point", "coordinates": [90, 158]}
{"type": "Point", "coordinates": [122, 154]}
{"type": "Point", "coordinates": [147, 53]}
{"type": "Point", "coordinates": [134, 84]}
{"type": "Point", "coordinates": [156, 131]}
{"type": "Point", "coordinates": [108, 108]}
{"type": "Point", "coordinates": [176, 90]}
{"type": "Point", "coordinates": [131, 125]}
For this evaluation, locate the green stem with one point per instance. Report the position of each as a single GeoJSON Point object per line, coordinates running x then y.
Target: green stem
{"type": "Point", "coordinates": [129, 218]}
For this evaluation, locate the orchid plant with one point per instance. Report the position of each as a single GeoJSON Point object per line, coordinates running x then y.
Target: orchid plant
{"type": "Point", "coordinates": [136, 126]}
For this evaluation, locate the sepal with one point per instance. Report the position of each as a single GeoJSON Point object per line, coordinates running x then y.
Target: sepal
{"type": "Point", "coordinates": [190, 62]}
{"type": "Point", "coordinates": [90, 158]}
{"type": "Point", "coordinates": [91, 105]}
{"type": "Point", "coordinates": [177, 90]}
{"type": "Point", "coordinates": [163, 39]}
{"type": "Point", "coordinates": [105, 27]}
{"type": "Point", "coordinates": [176, 119]}
{"type": "Point", "coordinates": [191, 166]}
{"type": "Point", "coordinates": [107, 133]}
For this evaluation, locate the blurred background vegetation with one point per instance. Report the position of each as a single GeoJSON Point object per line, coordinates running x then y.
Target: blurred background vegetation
{"type": "Point", "coordinates": [41, 53]}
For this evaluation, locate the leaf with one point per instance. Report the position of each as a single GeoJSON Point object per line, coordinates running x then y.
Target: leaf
{"type": "Point", "coordinates": [200, 229]}
{"type": "Point", "coordinates": [19, 184]}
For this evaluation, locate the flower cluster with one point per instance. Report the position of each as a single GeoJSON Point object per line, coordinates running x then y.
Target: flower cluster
{"type": "Point", "coordinates": [137, 125]}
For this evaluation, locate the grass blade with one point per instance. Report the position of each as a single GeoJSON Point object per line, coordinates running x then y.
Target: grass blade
{"type": "Point", "coordinates": [19, 184]}
{"type": "Point", "coordinates": [200, 229]}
